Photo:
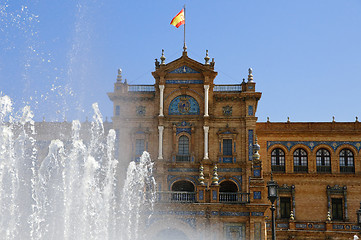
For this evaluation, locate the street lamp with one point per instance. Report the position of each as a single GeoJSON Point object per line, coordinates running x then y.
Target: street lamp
{"type": "Point", "coordinates": [272, 196]}
{"type": "Point", "coordinates": [358, 212]}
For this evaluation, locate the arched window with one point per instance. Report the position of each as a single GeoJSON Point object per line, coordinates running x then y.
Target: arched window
{"type": "Point", "coordinates": [183, 191]}
{"type": "Point", "coordinates": [228, 192]}
{"type": "Point", "coordinates": [228, 186]}
{"type": "Point", "coordinates": [183, 149]}
{"type": "Point", "coordinates": [278, 160]}
{"type": "Point", "coordinates": [323, 161]}
{"type": "Point", "coordinates": [300, 160]}
{"type": "Point", "coordinates": [347, 161]}
{"type": "Point", "coordinates": [183, 186]}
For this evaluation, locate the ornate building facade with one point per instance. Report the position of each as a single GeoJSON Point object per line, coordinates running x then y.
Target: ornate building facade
{"type": "Point", "coordinates": [213, 159]}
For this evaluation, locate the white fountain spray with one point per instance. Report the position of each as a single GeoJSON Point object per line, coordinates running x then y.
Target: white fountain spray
{"type": "Point", "coordinates": [72, 192]}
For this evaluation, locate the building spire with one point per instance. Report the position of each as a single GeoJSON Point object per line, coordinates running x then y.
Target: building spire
{"type": "Point", "coordinates": [119, 77]}
{"type": "Point", "coordinates": [207, 58]}
{"type": "Point", "coordinates": [162, 58]}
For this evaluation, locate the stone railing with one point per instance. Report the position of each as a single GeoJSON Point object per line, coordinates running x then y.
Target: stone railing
{"type": "Point", "coordinates": [233, 197]}
{"type": "Point", "coordinates": [176, 197]}
{"type": "Point", "coordinates": [227, 88]}
{"type": "Point", "coordinates": [141, 88]}
{"type": "Point", "coordinates": [182, 158]}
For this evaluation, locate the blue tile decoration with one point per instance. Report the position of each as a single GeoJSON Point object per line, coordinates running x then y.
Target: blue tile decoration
{"type": "Point", "coordinates": [250, 145]}
{"type": "Point", "coordinates": [312, 144]}
{"type": "Point", "coordinates": [227, 160]}
{"type": "Point", "coordinates": [250, 110]}
{"type": "Point", "coordinates": [355, 227]}
{"type": "Point", "coordinates": [301, 225]}
{"type": "Point", "coordinates": [235, 231]}
{"type": "Point", "coordinates": [187, 130]}
{"type": "Point", "coordinates": [214, 213]}
{"type": "Point", "coordinates": [310, 225]}
{"type": "Point", "coordinates": [319, 226]}
{"type": "Point", "coordinates": [229, 169]}
{"type": "Point", "coordinates": [338, 226]}
{"type": "Point", "coordinates": [227, 111]}
{"type": "Point", "coordinates": [183, 124]}
{"type": "Point", "coordinates": [235, 214]}
{"type": "Point", "coordinates": [257, 173]}
{"type": "Point", "coordinates": [214, 195]}
{"type": "Point", "coordinates": [184, 105]}
{"type": "Point", "coordinates": [220, 160]}
{"type": "Point", "coordinates": [184, 81]}
{"type": "Point", "coordinates": [257, 214]}
{"type": "Point", "coordinates": [201, 195]}
{"type": "Point", "coordinates": [238, 181]}
{"type": "Point", "coordinates": [282, 225]}
{"type": "Point", "coordinates": [257, 195]}
{"type": "Point", "coordinates": [184, 69]}
{"type": "Point", "coordinates": [226, 132]}
{"type": "Point", "coordinates": [182, 169]}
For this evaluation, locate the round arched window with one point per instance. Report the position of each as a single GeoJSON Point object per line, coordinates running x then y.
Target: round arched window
{"type": "Point", "coordinates": [278, 160]}
{"type": "Point", "coordinates": [347, 161]}
{"type": "Point", "coordinates": [300, 160]}
{"type": "Point", "coordinates": [323, 160]}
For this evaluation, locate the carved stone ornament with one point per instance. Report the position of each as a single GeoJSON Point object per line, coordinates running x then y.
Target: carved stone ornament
{"type": "Point", "coordinates": [140, 110]}
{"type": "Point", "coordinates": [227, 111]}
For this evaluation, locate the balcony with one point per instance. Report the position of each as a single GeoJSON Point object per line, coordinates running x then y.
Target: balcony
{"type": "Point", "coordinates": [141, 88]}
{"type": "Point", "coordinates": [278, 168]}
{"type": "Point", "coordinates": [228, 88]}
{"type": "Point", "coordinates": [300, 169]}
{"type": "Point", "coordinates": [182, 158]}
{"type": "Point", "coordinates": [233, 197]}
{"type": "Point", "coordinates": [347, 169]}
{"type": "Point", "coordinates": [324, 169]}
{"type": "Point", "coordinates": [176, 197]}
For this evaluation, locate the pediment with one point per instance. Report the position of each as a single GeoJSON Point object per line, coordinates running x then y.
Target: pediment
{"type": "Point", "coordinates": [184, 69]}
{"type": "Point", "coordinates": [177, 71]}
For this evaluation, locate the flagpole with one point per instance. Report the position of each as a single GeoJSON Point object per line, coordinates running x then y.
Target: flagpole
{"type": "Point", "coordinates": [184, 46]}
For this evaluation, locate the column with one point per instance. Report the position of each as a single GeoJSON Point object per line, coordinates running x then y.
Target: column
{"type": "Point", "coordinates": [160, 143]}
{"type": "Point", "coordinates": [161, 88]}
{"type": "Point", "coordinates": [206, 129]}
{"type": "Point", "coordinates": [206, 91]}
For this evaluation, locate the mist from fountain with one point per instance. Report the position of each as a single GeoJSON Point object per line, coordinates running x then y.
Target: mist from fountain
{"type": "Point", "coordinates": [73, 193]}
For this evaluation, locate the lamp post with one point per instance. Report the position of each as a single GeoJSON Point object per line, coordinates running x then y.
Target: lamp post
{"type": "Point", "coordinates": [358, 212]}
{"type": "Point", "coordinates": [272, 196]}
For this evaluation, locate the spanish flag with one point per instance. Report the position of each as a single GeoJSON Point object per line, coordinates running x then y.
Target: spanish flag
{"type": "Point", "coordinates": [178, 20]}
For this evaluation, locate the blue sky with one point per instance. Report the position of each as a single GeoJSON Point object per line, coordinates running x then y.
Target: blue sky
{"type": "Point", "coordinates": [61, 56]}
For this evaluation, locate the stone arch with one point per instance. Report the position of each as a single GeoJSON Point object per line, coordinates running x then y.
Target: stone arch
{"type": "Point", "coordinates": [228, 186]}
{"type": "Point", "coordinates": [183, 186]}
{"type": "Point", "coordinates": [348, 146]}
{"type": "Point", "coordinates": [173, 179]}
{"type": "Point", "coordinates": [303, 146]}
{"type": "Point", "coordinates": [287, 156]}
